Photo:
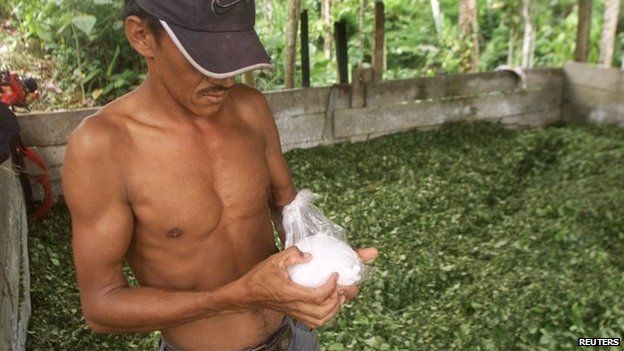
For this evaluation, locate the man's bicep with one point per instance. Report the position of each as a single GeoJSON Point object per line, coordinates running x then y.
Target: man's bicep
{"type": "Point", "coordinates": [102, 222]}
{"type": "Point", "coordinates": [99, 245]}
{"type": "Point", "coordinates": [282, 187]}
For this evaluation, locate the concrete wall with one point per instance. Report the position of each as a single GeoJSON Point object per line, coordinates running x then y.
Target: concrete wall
{"type": "Point", "coordinates": [310, 117]}
{"type": "Point", "coordinates": [593, 94]}
{"type": "Point", "coordinates": [15, 282]}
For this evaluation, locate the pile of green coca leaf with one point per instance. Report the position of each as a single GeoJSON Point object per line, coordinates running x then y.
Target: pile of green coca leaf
{"type": "Point", "coordinates": [489, 239]}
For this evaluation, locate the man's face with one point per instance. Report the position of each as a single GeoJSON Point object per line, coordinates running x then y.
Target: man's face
{"type": "Point", "coordinates": [201, 95]}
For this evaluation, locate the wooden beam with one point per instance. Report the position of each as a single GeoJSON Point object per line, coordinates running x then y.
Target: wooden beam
{"type": "Point", "coordinates": [342, 53]}
{"type": "Point", "coordinates": [581, 53]}
{"type": "Point", "coordinates": [305, 51]}
{"type": "Point", "coordinates": [379, 41]}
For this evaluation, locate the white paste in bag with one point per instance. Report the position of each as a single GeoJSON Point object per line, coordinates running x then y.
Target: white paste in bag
{"type": "Point", "coordinates": [328, 255]}
{"type": "Point", "coordinates": [311, 232]}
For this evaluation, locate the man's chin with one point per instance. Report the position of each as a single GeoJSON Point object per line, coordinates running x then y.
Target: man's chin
{"type": "Point", "coordinates": [206, 109]}
{"type": "Point", "coordinates": [209, 104]}
{"type": "Point", "coordinates": [212, 99]}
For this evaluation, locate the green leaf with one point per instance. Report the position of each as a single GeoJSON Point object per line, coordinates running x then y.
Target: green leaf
{"type": "Point", "coordinates": [97, 93]}
{"type": "Point", "coordinates": [84, 23]}
{"type": "Point", "coordinates": [94, 73]}
{"type": "Point", "coordinates": [335, 347]}
{"type": "Point", "coordinates": [111, 66]}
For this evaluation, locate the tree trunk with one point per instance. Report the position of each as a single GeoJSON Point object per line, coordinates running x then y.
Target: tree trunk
{"type": "Point", "coordinates": [470, 31]}
{"type": "Point", "coordinates": [291, 44]}
{"type": "Point", "coordinates": [581, 53]}
{"type": "Point", "coordinates": [437, 16]}
{"type": "Point", "coordinates": [379, 42]}
{"type": "Point", "coordinates": [362, 27]}
{"type": "Point", "coordinates": [267, 9]}
{"type": "Point", "coordinates": [511, 48]}
{"type": "Point", "coordinates": [611, 14]}
{"type": "Point", "coordinates": [327, 27]}
{"type": "Point", "coordinates": [527, 41]}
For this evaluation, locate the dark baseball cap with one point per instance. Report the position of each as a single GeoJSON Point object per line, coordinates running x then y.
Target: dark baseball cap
{"type": "Point", "coordinates": [216, 36]}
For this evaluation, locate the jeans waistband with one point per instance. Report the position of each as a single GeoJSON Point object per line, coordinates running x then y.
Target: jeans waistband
{"type": "Point", "coordinates": [278, 341]}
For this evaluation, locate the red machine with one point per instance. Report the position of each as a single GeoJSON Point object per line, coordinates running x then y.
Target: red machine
{"type": "Point", "coordinates": [21, 93]}
{"type": "Point", "coordinates": [17, 92]}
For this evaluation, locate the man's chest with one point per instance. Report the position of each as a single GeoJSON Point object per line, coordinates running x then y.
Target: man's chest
{"type": "Point", "coordinates": [193, 184]}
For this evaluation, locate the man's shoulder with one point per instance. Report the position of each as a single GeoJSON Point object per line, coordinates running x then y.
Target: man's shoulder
{"type": "Point", "coordinates": [99, 131]}
{"type": "Point", "coordinates": [252, 104]}
{"type": "Point", "coordinates": [248, 95]}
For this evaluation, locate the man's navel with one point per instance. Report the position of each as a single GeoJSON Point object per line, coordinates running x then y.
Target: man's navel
{"type": "Point", "coordinates": [174, 233]}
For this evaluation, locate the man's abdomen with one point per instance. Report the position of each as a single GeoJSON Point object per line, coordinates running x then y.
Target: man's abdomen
{"type": "Point", "coordinates": [225, 332]}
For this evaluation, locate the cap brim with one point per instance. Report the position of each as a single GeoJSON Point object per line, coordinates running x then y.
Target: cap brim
{"type": "Point", "coordinates": [220, 54]}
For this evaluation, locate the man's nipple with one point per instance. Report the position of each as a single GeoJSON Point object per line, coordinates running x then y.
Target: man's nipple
{"type": "Point", "coordinates": [174, 233]}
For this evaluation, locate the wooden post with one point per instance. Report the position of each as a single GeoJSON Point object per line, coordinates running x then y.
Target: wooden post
{"type": "Point", "coordinates": [581, 52]}
{"type": "Point", "coordinates": [290, 54]}
{"type": "Point", "coordinates": [379, 40]}
{"type": "Point", "coordinates": [248, 78]}
{"type": "Point", "coordinates": [305, 51]}
{"type": "Point", "coordinates": [362, 74]}
{"type": "Point", "coordinates": [342, 54]}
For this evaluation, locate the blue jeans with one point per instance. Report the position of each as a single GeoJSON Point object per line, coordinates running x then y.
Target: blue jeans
{"type": "Point", "coordinates": [304, 339]}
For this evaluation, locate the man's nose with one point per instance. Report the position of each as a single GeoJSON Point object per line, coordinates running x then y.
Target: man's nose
{"type": "Point", "coordinates": [224, 82]}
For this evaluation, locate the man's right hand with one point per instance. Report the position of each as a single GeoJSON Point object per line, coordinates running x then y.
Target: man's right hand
{"type": "Point", "coordinates": [268, 285]}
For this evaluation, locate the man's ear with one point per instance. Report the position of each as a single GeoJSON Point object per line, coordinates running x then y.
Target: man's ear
{"type": "Point", "coordinates": [140, 36]}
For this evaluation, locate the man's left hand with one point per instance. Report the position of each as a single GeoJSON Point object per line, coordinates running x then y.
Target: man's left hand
{"type": "Point", "coordinates": [351, 291]}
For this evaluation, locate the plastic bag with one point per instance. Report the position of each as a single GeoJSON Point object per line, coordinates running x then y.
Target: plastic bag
{"type": "Point", "coordinates": [308, 229]}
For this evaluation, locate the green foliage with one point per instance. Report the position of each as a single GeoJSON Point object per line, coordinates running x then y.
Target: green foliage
{"type": "Point", "coordinates": [78, 46]}
{"type": "Point", "coordinates": [85, 39]}
{"type": "Point", "coordinates": [489, 240]}
{"type": "Point", "coordinates": [57, 322]}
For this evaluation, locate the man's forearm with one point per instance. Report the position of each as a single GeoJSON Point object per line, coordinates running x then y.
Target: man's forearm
{"type": "Point", "coordinates": [145, 309]}
{"type": "Point", "coordinates": [276, 211]}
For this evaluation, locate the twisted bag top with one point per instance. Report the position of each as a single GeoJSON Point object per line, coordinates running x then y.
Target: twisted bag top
{"type": "Point", "coordinates": [302, 219]}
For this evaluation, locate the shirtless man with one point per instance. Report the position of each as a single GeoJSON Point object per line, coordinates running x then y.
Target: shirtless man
{"type": "Point", "coordinates": [181, 178]}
